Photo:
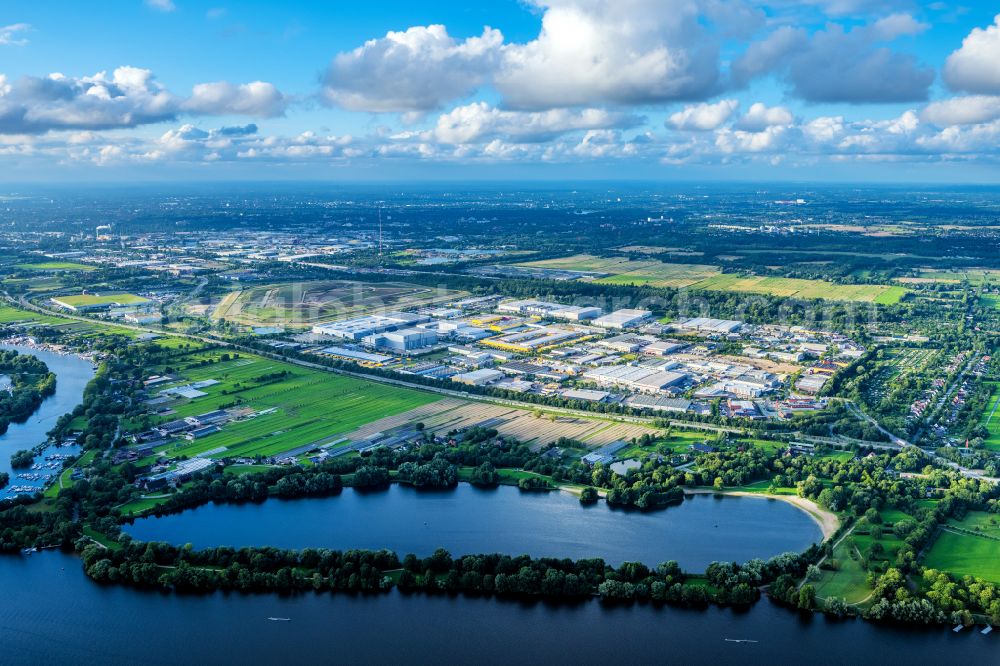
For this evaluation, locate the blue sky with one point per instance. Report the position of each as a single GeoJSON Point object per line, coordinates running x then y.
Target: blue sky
{"type": "Point", "coordinates": [555, 89]}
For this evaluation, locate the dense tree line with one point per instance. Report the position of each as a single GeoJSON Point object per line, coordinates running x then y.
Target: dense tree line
{"type": "Point", "coordinates": [247, 569]}
{"type": "Point", "coordinates": [157, 564]}
{"type": "Point", "coordinates": [438, 473]}
{"type": "Point", "coordinates": [30, 383]}
{"type": "Point", "coordinates": [22, 458]}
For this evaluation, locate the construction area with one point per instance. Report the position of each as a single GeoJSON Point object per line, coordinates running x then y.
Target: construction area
{"type": "Point", "coordinates": [302, 304]}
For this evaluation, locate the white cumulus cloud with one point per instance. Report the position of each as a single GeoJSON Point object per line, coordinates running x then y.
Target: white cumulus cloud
{"type": "Point", "coordinates": [703, 117]}
{"type": "Point", "coordinates": [419, 69]}
{"type": "Point", "coordinates": [258, 99]}
{"type": "Point", "coordinates": [968, 110]}
{"type": "Point", "coordinates": [479, 122]}
{"type": "Point", "coordinates": [975, 67]}
{"type": "Point", "coordinates": [760, 117]}
{"type": "Point", "coordinates": [621, 52]}
{"type": "Point", "coordinates": [127, 97]}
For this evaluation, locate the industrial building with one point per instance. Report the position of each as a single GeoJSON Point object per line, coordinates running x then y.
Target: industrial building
{"type": "Point", "coordinates": [456, 329]}
{"type": "Point", "coordinates": [663, 347]}
{"type": "Point", "coordinates": [658, 403]}
{"type": "Point", "coordinates": [550, 310]}
{"type": "Point", "coordinates": [535, 339]}
{"type": "Point", "coordinates": [588, 395]}
{"type": "Point", "coordinates": [478, 377]}
{"type": "Point", "coordinates": [709, 326]}
{"type": "Point", "coordinates": [627, 343]}
{"type": "Point", "coordinates": [638, 378]}
{"type": "Point", "coordinates": [623, 319]}
{"type": "Point", "coordinates": [403, 340]}
{"type": "Point", "coordinates": [359, 328]}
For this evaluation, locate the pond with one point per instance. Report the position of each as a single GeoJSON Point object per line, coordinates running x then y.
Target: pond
{"type": "Point", "coordinates": [72, 376]}
{"type": "Point", "coordinates": [467, 519]}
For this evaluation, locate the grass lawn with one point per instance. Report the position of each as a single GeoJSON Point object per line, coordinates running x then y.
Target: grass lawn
{"type": "Point", "coordinates": [141, 505]}
{"type": "Point", "coordinates": [848, 582]}
{"type": "Point", "coordinates": [840, 456]}
{"type": "Point", "coordinates": [12, 315]}
{"type": "Point", "coordinates": [678, 441]}
{"type": "Point", "coordinates": [61, 481]}
{"type": "Point", "coordinates": [965, 555]}
{"type": "Point", "coordinates": [101, 539]}
{"type": "Point", "coordinates": [768, 445]}
{"type": "Point", "coordinates": [987, 524]}
{"type": "Point", "coordinates": [991, 419]}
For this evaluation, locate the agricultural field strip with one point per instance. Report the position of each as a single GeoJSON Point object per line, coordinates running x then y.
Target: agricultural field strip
{"type": "Point", "coordinates": [451, 414]}
{"type": "Point", "coordinates": [620, 270]}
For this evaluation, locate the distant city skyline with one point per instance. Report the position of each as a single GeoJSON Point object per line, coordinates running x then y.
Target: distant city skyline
{"type": "Point", "coordinates": [659, 90]}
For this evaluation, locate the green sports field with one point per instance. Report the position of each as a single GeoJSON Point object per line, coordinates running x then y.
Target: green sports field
{"type": "Point", "coordinates": [102, 299]}
{"type": "Point", "coordinates": [304, 407]}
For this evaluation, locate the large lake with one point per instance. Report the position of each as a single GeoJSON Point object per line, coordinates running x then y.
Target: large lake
{"type": "Point", "coordinates": [72, 376]}
{"type": "Point", "coordinates": [51, 613]}
{"type": "Point", "coordinates": [469, 520]}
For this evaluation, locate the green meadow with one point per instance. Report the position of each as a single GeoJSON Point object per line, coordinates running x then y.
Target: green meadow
{"type": "Point", "coordinates": [302, 407]}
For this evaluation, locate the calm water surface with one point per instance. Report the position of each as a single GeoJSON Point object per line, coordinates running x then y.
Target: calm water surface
{"type": "Point", "coordinates": [471, 520]}
{"type": "Point", "coordinates": [52, 614]}
{"type": "Point", "coordinates": [72, 375]}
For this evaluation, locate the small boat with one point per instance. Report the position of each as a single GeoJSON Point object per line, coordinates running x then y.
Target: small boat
{"type": "Point", "coordinates": [740, 640]}
{"type": "Point", "coordinates": [279, 619]}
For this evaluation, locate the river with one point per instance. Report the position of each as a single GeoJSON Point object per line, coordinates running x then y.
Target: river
{"type": "Point", "coordinates": [468, 519]}
{"type": "Point", "coordinates": [51, 613]}
{"type": "Point", "coordinates": [72, 376]}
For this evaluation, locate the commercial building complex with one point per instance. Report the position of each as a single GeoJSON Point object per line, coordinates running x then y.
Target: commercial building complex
{"type": "Point", "coordinates": [624, 319]}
